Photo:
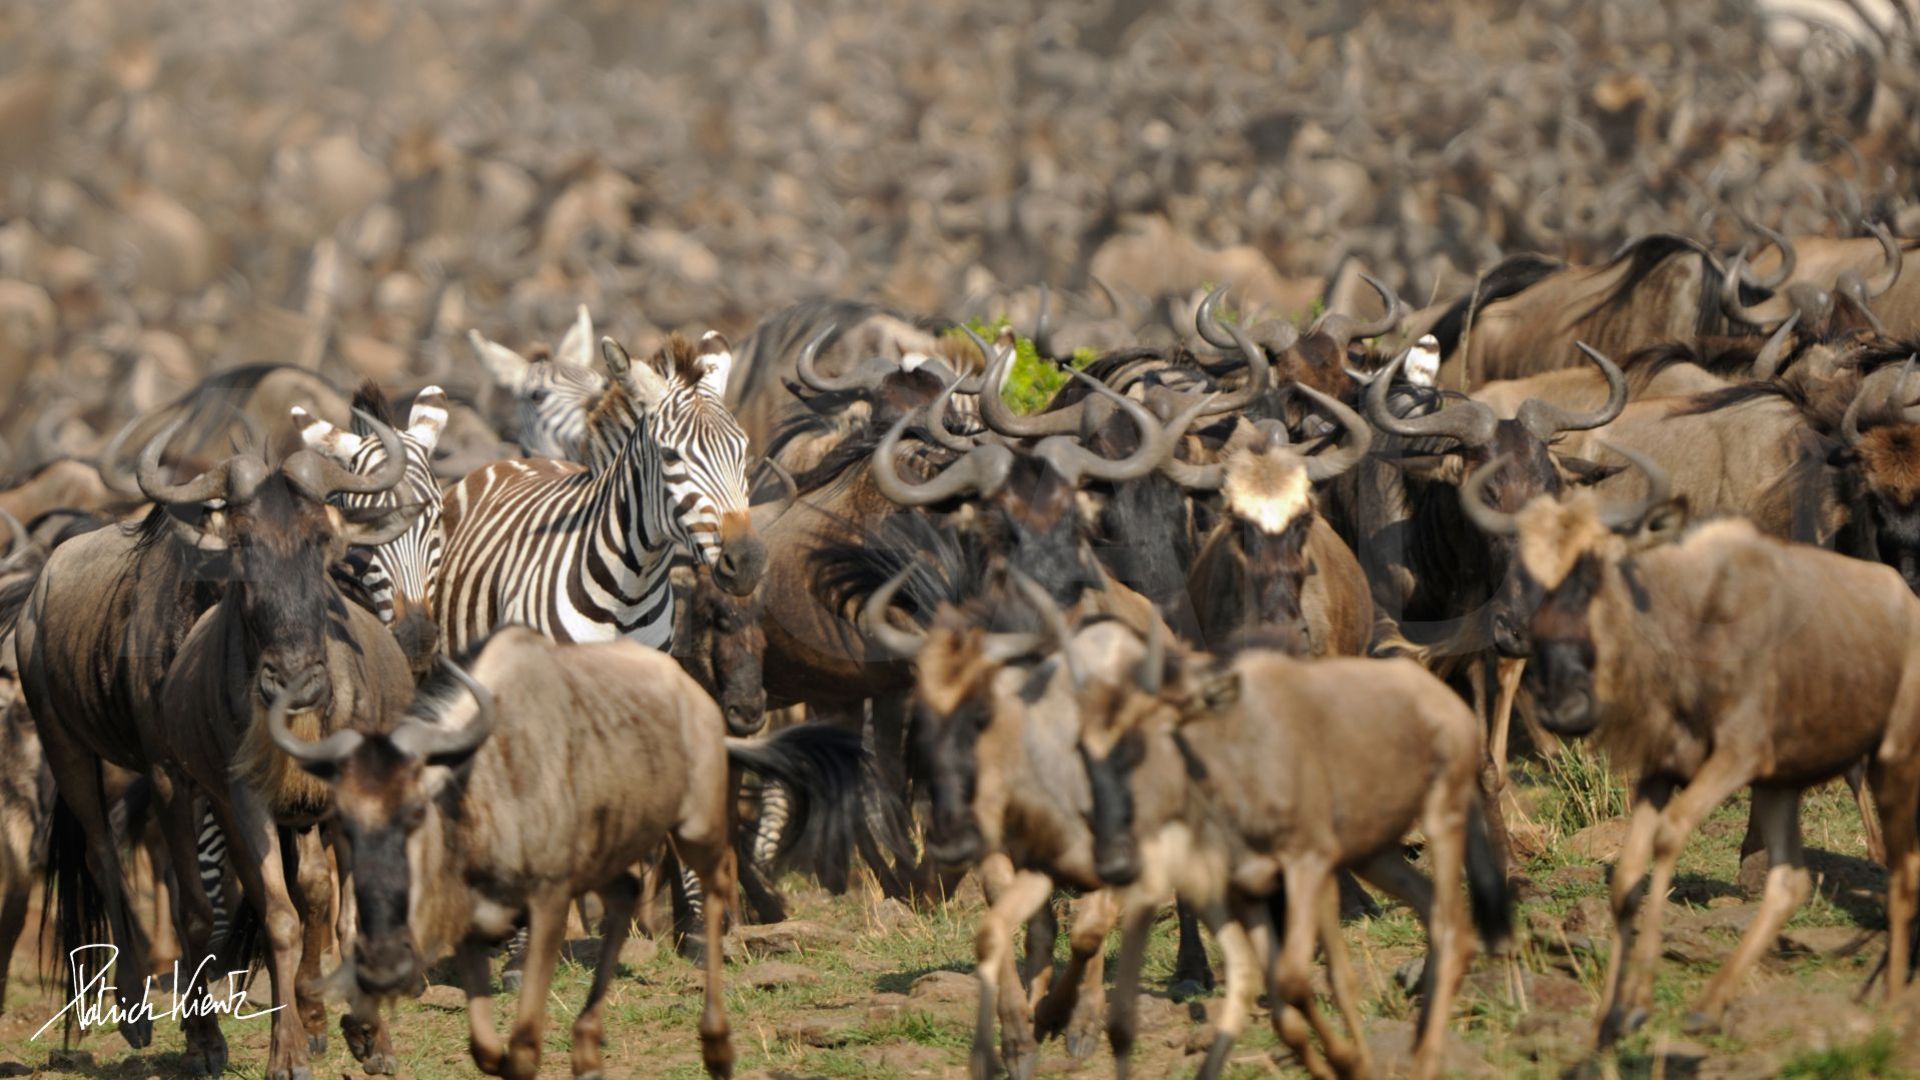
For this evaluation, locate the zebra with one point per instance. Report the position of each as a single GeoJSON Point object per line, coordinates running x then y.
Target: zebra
{"type": "Point", "coordinates": [396, 578]}
{"type": "Point", "coordinates": [581, 552]}
{"type": "Point", "coordinates": [551, 396]}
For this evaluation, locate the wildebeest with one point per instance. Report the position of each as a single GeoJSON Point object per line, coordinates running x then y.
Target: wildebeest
{"type": "Point", "coordinates": [1260, 775]}
{"type": "Point", "coordinates": [100, 643]}
{"type": "Point", "coordinates": [519, 795]}
{"type": "Point", "coordinates": [1647, 639]}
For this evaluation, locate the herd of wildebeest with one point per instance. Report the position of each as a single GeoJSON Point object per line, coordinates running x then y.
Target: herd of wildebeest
{"type": "Point", "coordinates": [1163, 638]}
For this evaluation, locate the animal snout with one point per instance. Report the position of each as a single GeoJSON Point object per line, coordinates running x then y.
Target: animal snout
{"type": "Point", "coordinates": [1117, 861]}
{"type": "Point", "coordinates": [741, 560]}
{"type": "Point", "coordinates": [419, 638]}
{"type": "Point", "coordinates": [957, 845]}
{"type": "Point", "coordinates": [384, 965]}
{"type": "Point", "coordinates": [1509, 636]}
{"type": "Point", "coordinates": [1563, 689]}
{"type": "Point", "coordinates": [308, 682]}
{"type": "Point", "coordinates": [746, 718]}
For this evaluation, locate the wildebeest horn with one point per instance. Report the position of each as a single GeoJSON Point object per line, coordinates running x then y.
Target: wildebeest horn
{"type": "Point", "coordinates": [937, 422]}
{"type": "Point", "coordinates": [215, 483]}
{"type": "Point", "coordinates": [1206, 326]}
{"type": "Point", "coordinates": [984, 468]}
{"type": "Point", "coordinates": [1157, 442]}
{"type": "Point", "coordinates": [1153, 664]}
{"type": "Point", "coordinates": [1467, 422]}
{"type": "Point", "coordinates": [1730, 295]}
{"type": "Point", "coordinates": [326, 753]}
{"type": "Point", "coordinates": [1545, 419]}
{"type": "Point", "coordinates": [1767, 364]}
{"type": "Point", "coordinates": [108, 462]}
{"type": "Point", "coordinates": [440, 745]}
{"type": "Point", "coordinates": [1473, 501]}
{"type": "Point", "coordinates": [1050, 614]}
{"type": "Point", "coordinates": [1258, 368]}
{"type": "Point", "coordinates": [1353, 445]}
{"type": "Point", "coordinates": [901, 644]}
{"type": "Point", "coordinates": [319, 476]}
{"type": "Point", "coordinates": [1875, 403]}
{"type": "Point", "coordinates": [786, 480]}
{"type": "Point", "coordinates": [860, 376]}
{"type": "Point", "coordinates": [1891, 254]}
{"type": "Point", "coordinates": [1000, 416]}
{"type": "Point", "coordinates": [1659, 486]}
{"type": "Point", "coordinates": [21, 543]}
{"type": "Point", "coordinates": [1787, 259]}
{"type": "Point", "coordinates": [1042, 341]}
{"type": "Point", "coordinates": [1344, 328]}
{"type": "Point", "coordinates": [386, 528]}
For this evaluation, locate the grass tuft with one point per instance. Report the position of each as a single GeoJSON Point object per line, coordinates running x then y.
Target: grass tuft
{"type": "Point", "coordinates": [1873, 1057]}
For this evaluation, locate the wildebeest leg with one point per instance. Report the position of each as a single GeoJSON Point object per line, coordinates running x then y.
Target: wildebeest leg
{"type": "Point", "coordinates": [1724, 772]}
{"type": "Point", "coordinates": [1243, 984]}
{"type": "Point", "coordinates": [473, 958]}
{"type": "Point", "coordinates": [1290, 974]}
{"type": "Point", "coordinates": [206, 1052]}
{"type": "Point", "coordinates": [1869, 821]}
{"type": "Point", "coordinates": [1349, 1055]}
{"type": "Point", "coordinates": [249, 825]}
{"type": "Point", "coordinates": [712, 860]}
{"type": "Point", "coordinates": [617, 901]}
{"type": "Point", "coordinates": [77, 779]}
{"type": "Point", "coordinates": [1079, 992]}
{"type": "Point", "coordinates": [1445, 823]}
{"type": "Point", "coordinates": [313, 898]}
{"type": "Point", "coordinates": [1788, 886]}
{"type": "Point", "coordinates": [150, 861]}
{"type": "Point", "coordinates": [546, 932]}
{"type": "Point", "coordinates": [1897, 790]}
{"type": "Point", "coordinates": [1507, 672]}
{"type": "Point", "coordinates": [1135, 921]}
{"type": "Point", "coordinates": [13, 919]}
{"type": "Point", "coordinates": [1016, 895]}
{"type": "Point", "coordinates": [1043, 933]}
{"type": "Point", "coordinates": [365, 1030]}
{"type": "Point", "coordinates": [1190, 960]}
{"type": "Point", "coordinates": [1627, 893]}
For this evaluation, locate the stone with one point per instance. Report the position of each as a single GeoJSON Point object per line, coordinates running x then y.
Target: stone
{"type": "Point", "coordinates": [792, 936]}
{"type": "Point", "coordinates": [1691, 947]}
{"type": "Point", "coordinates": [773, 974]}
{"type": "Point", "coordinates": [825, 1030]}
{"type": "Point", "coordinates": [440, 996]}
{"type": "Point", "coordinates": [1733, 917]}
{"type": "Point", "coordinates": [1391, 1044]}
{"type": "Point", "coordinates": [1827, 940]}
{"type": "Point", "coordinates": [1813, 1020]}
{"type": "Point", "coordinates": [945, 986]}
{"type": "Point", "coordinates": [638, 950]}
{"type": "Point", "coordinates": [889, 915]}
{"type": "Point", "coordinates": [1601, 842]}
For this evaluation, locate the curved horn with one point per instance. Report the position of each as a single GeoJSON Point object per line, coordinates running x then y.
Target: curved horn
{"type": "Point", "coordinates": [1767, 364]}
{"type": "Point", "coordinates": [1787, 259]}
{"type": "Point", "coordinates": [1206, 326]}
{"type": "Point", "coordinates": [977, 382]}
{"type": "Point", "coordinates": [1050, 614]}
{"type": "Point", "coordinates": [1000, 416]}
{"type": "Point", "coordinates": [1545, 419]}
{"type": "Point", "coordinates": [1157, 442]}
{"type": "Point", "coordinates": [151, 477]}
{"type": "Point", "coordinates": [389, 527]}
{"type": "Point", "coordinates": [108, 463]}
{"type": "Point", "coordinates": [901, 644]}
{"type": "Point", "coordinates": [1353, 445]}
{"type": "Point", "coordinates": [1890, 253]}
{"type": "Point", "coordinates": [786, 480]}
{"type": "Point", "coordinates": [1730, 295]}
{"type": "Point", "coordinates": [319, 476]}
{"type": "Point", "coordinates": [1043, 341]}
{"type": "Point", "coordinates": [440, 745]}
{"type": "Point", "coordinates": [21, 542]}
{"type": "Point", "coordinates": [937, 422]}
{"type": "Point", "coordinates": [326, 753]}
{"type": "Point", "coordinates": [983, 469]}
{"type": "Point", "coordinates": [1473, 501]}
{"type": "Point", "coordinates": [1874, 403]}
{"type": "Point", "coordinates": [1659, 485]}
{"type": "Point", "coordinates": [1468, 422]}
{"type": "Point", "coordinates": [1259, 370]}
{"type": "Point", "coordinates": [810, 375]}
{"type": "Point", "coordinates": [1344, 328]}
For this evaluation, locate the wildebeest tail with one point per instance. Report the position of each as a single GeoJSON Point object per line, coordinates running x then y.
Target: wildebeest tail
{"type": "Point", "coordinates": [75, 904]}
{"type": "Point", "coordinates": [824, 770]}
{"type": "Point", "coordinates": [1488, 896]}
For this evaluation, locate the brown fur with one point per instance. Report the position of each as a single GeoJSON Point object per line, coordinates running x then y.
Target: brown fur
{"type": "Point", "coordinates": [1890, 461]}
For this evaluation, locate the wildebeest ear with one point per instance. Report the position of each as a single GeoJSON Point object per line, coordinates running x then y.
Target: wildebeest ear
{"type": "Point", "coordinates": [1582, 471]}
{"type": "Point", "coordinates": [1663, 523]}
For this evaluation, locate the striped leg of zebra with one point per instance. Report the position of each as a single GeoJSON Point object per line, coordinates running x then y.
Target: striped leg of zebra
{"type": "Point", "coordinates": [210, 852]}
{"type": "Point", "coordinates": [689, 910]}
{"type": "Point", "coordinates": [775, 808]}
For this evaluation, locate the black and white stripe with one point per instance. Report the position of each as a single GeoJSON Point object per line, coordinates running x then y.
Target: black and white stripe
{"type": "Point", "coordinates": [552, 396]}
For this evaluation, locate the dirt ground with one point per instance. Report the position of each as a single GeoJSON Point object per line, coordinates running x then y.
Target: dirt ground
{"type": "Point", "coordinates": [858, 986]}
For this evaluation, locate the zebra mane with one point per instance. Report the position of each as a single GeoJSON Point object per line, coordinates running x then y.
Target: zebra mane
{"type": "Point", "coordinates": [679, 359]}
{"type": "Point", "coordinates": [370, 399]}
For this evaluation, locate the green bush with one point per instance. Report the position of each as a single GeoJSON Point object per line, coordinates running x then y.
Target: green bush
{"type": "Point", "coordinates": [1034, 379]}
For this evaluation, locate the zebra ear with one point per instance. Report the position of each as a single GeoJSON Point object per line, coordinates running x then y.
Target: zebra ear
{"type": "Point", "coordinates": [716, 361]}
{"type": "Point", "coordinates": [577, 347]}
{"type": "Point", "coordinates": [640, 381]}
{"type": "Point", "coordinates": [428, 418]}
{"type": "Point", "coordinates": [508, 368]}
{"type": "Point", "coordinates": [323, 437]}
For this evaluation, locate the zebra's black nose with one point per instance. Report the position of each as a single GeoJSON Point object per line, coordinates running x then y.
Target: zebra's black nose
{"type": "Point", "coordinates": [742, 558]}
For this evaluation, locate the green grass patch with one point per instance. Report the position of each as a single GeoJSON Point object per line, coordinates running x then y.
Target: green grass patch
{"type": "Point", "coordinates": [1872, 1057]}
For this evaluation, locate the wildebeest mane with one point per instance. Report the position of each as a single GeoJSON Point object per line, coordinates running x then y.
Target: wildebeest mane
{"type": "Point", "coordinates": [370, 399]}
{"type": "Point", "coordinates": [946, 570]}
{"type": "Point", "coordinates": [1741, 393]}
{"type": "Point", "coordinates": [1643, 255]}
{"type": "Point", "coordinates": [1510, 276]}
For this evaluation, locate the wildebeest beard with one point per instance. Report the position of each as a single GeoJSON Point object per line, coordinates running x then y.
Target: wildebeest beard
{"type": "Point", "coordinates": [946, 745]}
{"type": "Point", "coordinates": [1560, 675]}
{"type": "Point", "coordinates": [1036, 521]}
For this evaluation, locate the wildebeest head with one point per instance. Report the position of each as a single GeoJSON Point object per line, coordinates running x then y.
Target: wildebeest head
{"type": "Point", "coordinates": [1523, 445]}
{"type": "Point", "coordinates": [1258, 550]}
{"type": "Point", "coordinates": [399, 574]}
{"type": "Point", "coordinates": [279, 534]}
{"type": "Point", "coordinates": [959, 732]}
{"type": "Point", "coordinates": [721, 645]}
{"type": "Point", "coordinates": [382, 795]}
{"type": "Point", "coordinates": [1881, 436]}
{"type": "Point", "coordinates": [1566, 548]}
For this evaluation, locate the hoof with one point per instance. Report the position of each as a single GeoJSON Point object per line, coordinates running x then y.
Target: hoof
{"type": "Point", "coordinates": [359, 1036]}
{"type": "Point", "coordinates": [317, 1045]}
{"type": "Point", "coordinates": [1188, 988]}
{"type": "Point", "coordinates": [298, 1072]}
{"type": "Point", "coordinates": [379, 1065]}
{"type": "Point", "coordinates": [1082, 1044]}
{"type": "Point", "coordinates": [1619, 1024]}
{"type": "Point", "coordinates": [510, 981]}
{"type": "Point", "coordinates": [138, 1033]}
{"type": "Point", "coordinates": [981, 1064]}
{"type": "Point", "coordinates": [1699, 1023]}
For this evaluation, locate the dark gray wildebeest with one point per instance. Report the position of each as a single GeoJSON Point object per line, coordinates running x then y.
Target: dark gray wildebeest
{"type": "Point", "coordinates": [156, 647]}
{"type": "Point", "coordinates": [1245, 784]}
{"type": "Point", "coordinates": [518, 795]}
{"type": "Point", "coordinates": [1648, 639]}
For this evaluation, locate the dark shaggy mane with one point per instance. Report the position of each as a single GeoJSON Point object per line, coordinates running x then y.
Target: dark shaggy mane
{"type": "Point", "coordinates": [1879, 352]}
{"type": "Point", "coordinates": [1510, 276]}
{"type": "Point", "coordinates": [946, 570]}
{"type": "Point", "coordinates": [1643, 255]}
{"type": "Point", "coordinates": [440, 690]}
{"type": "Point", "coordinates": [370, 399]}
{"type": "Point", "coordinates": [679, 359]}
{"type": "Point", "coordinates": [1715, 400]}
